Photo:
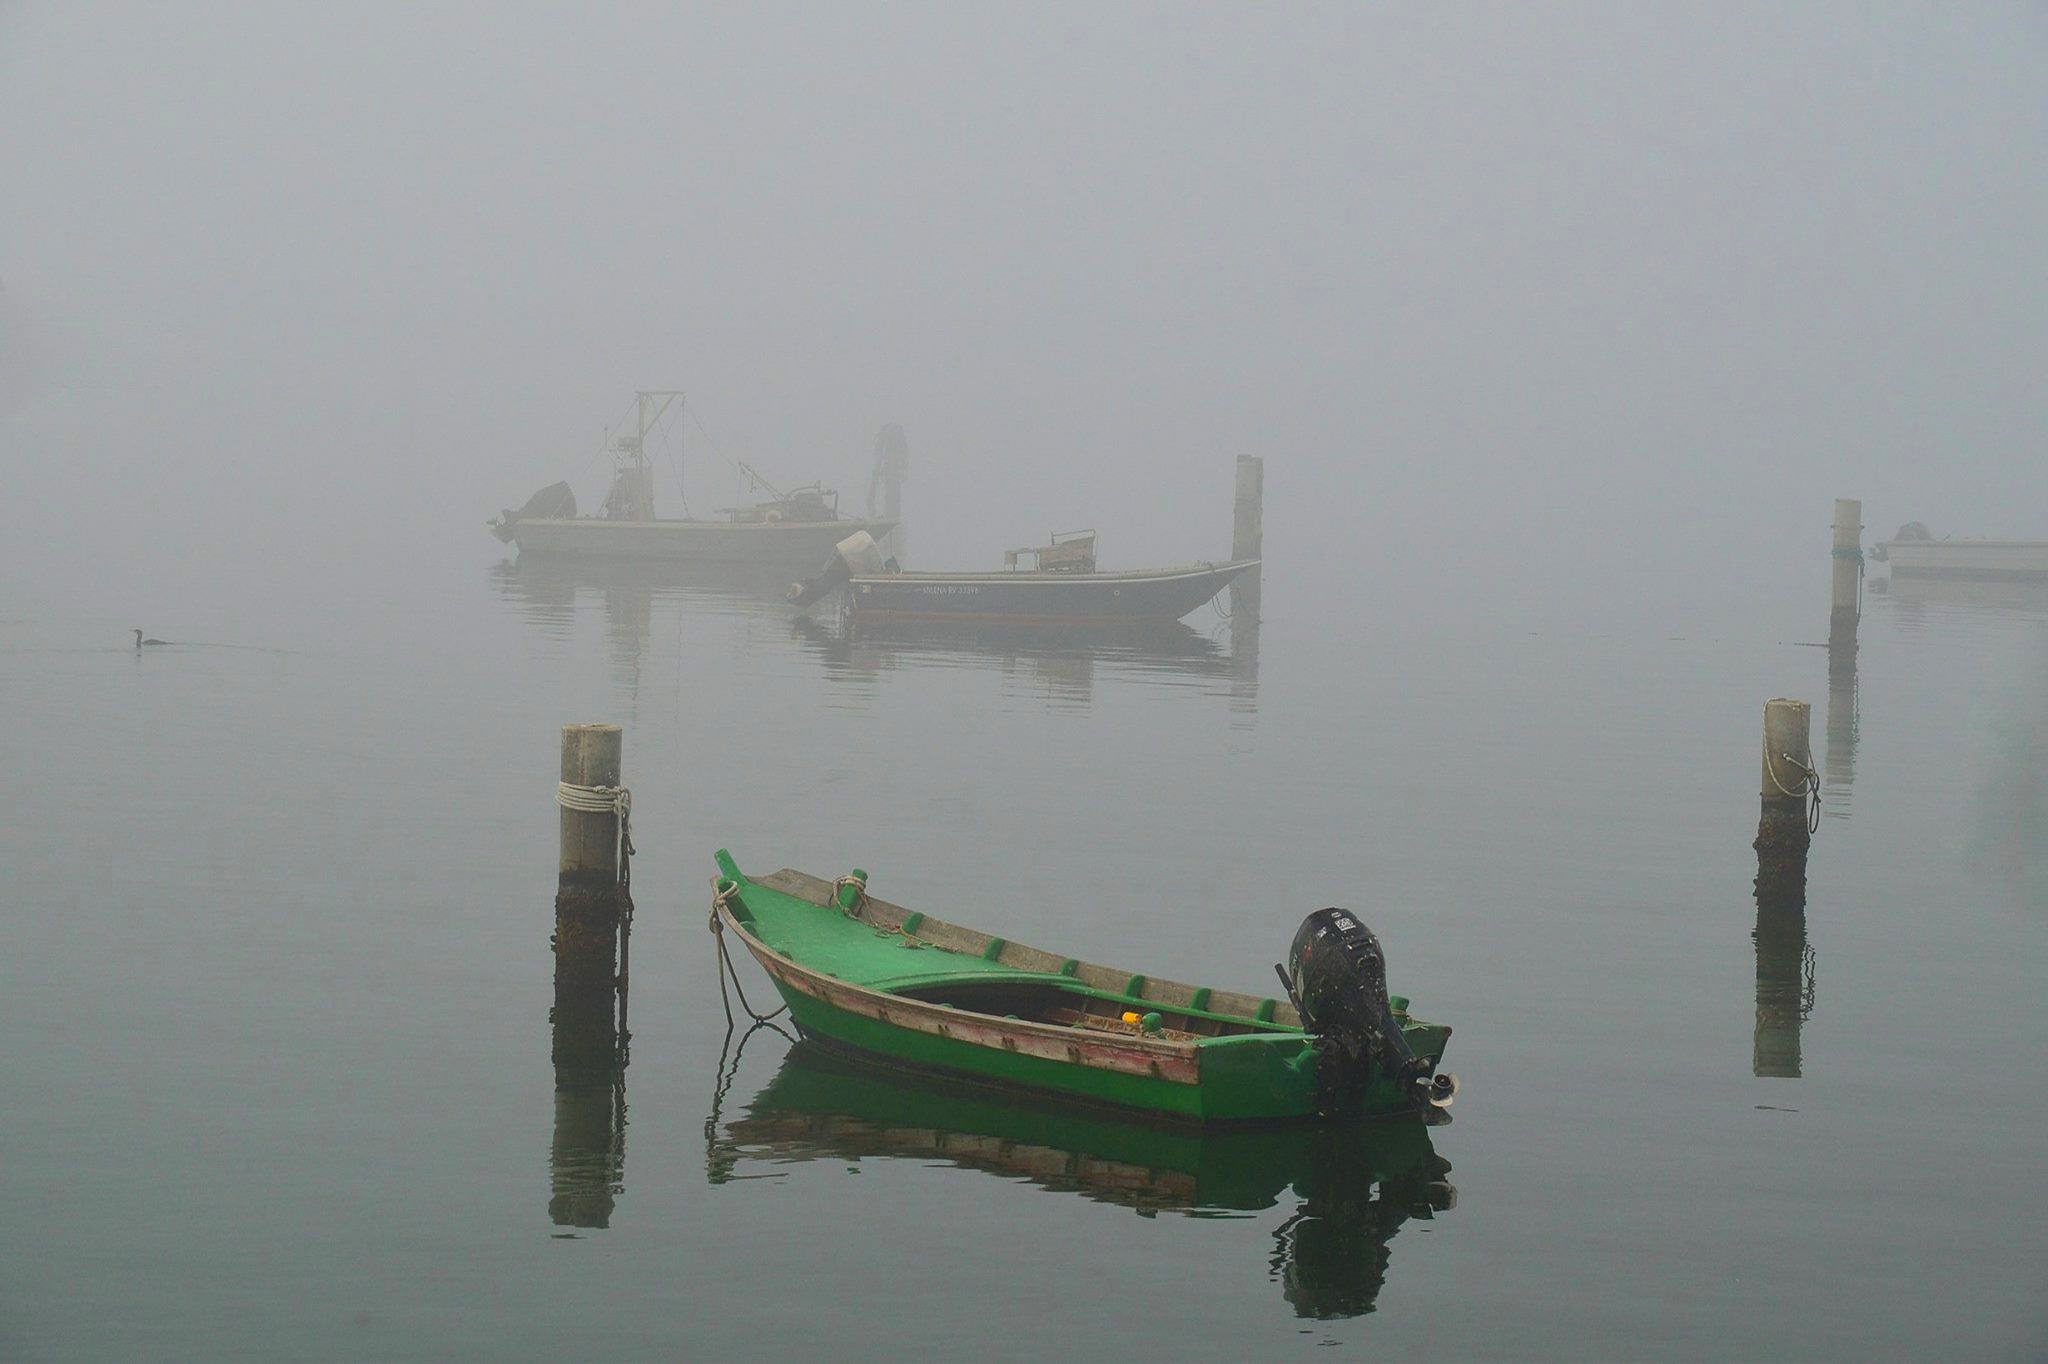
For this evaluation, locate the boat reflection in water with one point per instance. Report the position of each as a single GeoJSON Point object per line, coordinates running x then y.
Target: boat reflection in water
{"type": "Point", "coordinates": [1914, 598]}
{"type": "Point", "coordinates": [1060, 656]}
{"type": "Point", "coordinates": [547, 583]}
{"type": "Point", "coordinates": [544, 589]}
{"type": "Point", "coordinates": [1353, 1185]}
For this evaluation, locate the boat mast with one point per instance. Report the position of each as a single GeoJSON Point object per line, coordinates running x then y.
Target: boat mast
{"type": "Point", "coordinates": [633, 473]}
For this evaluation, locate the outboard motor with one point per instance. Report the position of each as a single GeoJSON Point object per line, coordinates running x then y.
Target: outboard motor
{"type": "Point", "coordinates": [1336, 975]}
{"type": "Point", "coordinates": [556, 501]}
{"type": "Point", "coordinates": [857, 553]}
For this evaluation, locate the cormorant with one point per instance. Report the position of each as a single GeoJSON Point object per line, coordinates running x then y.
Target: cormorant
{"type": "Point", "coordinates": [140, 641]}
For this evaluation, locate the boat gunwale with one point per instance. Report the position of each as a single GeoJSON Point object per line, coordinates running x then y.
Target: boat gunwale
{"type": "Point", "coordinates": [852, 523]}
{"type": "Point", "coordinates": [1172, 573]}
{"type": "Point", "coordinates": [1138, 1055]}
{"type": "Point", "coordinates": [1171, 995]}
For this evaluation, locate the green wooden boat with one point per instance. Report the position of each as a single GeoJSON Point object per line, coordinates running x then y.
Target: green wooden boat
{"type": "Point", "coordinates": [865, 976]}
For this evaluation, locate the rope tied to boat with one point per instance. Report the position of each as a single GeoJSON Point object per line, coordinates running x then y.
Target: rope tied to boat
{"type": "Point", "coordinates": [1807, 788]}
{"type": "Point", "coordinates": [860, 894]}
{"type": "Point", "coordinates": [723, 892]}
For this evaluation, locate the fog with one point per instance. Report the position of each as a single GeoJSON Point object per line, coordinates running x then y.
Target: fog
{"type": "Point", "coordinates": [1549, 313]}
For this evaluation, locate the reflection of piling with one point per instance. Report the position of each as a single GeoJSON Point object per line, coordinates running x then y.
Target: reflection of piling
{"type": "Point", "coordinates": [593, 915]}
{"type": "Point", "coordinates": [1845, 606]}
{"type": "Point", "coordinates": [1783, 987]}
{"type": "Point", "coordinates": [1783, 829]}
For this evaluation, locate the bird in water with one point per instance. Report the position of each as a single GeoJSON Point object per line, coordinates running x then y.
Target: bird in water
{"type": "Point", "coordinates": [140, 641]}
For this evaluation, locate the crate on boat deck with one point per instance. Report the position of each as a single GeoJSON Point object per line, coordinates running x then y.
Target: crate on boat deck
{"type": "Point", "coordinates": [1071, 551]}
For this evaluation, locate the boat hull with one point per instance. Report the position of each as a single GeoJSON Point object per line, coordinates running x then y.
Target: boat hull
{"type": "Point", "coordinates": [1252, 1077]}
{"type": "Point", "coordinates": [795, 545]}
{"type": "Point", "coordinates": [1166, 594]}
{"type": "Point", "coordinates": [1982, 560]}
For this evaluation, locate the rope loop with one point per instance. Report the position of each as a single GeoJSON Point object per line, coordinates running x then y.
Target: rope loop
{"type": "Point", "coordinates": [1808, 787]}
{"type": "Point", "coordinates": [860, 898]}
{"type": "Point", "coordinates": [722, 892]}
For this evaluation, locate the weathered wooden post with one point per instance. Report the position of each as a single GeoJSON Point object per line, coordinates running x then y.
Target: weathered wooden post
{"type": "Point", "coordinates": [892, 469]}
{"type": "Point", "coordinates": [1784, 832]}
{"type": "Point", "coordinates": [1845, 606]}
{"type": "Point", "coordinates": [1783, 828]}
{"type": "Point", "coordinates": [588, 898]}
{"type": "Point", "coordinates": [1841, 733]}
{"type": "Point", "coordinates": [1247, 541]}
{"type": "Point", "coordinates": [1248, 513]}
{"type": "Point", "coordinates": [593, 916]}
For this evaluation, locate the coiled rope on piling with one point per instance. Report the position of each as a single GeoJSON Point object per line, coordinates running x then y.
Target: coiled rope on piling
{"type": "Point", "coordinates": [604, 800]}
{"type": "Point", "coordinates": [594, 800]}
{"type": "Point", "coordinates": [611, 800]}
{"type": "Point", "coordinates": [1808, 788]}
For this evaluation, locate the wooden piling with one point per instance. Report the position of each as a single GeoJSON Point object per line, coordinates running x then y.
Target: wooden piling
{"type": "Point", "coordinates": [892, 469]}
{"type": "Point", "coordinates": [1783, 831]}
{"type": "Point", "coordinates": [587, 897]}
{"type": "Point", "coordinates": [1247, 541]}
{"type": "Point", "coordinates": [587, 1155]}
{"type": "Point", "coordinates": [1248, 514]}
{"type": "Point", "coordinates": [1845, 602]}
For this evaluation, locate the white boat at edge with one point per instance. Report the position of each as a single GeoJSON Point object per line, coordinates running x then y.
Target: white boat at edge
{"type": "Point", "coordinates": [1989, 559]}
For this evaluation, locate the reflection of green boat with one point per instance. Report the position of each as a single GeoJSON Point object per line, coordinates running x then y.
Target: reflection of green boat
{"type": "Point", "coordinates": [914, 991]}
{"type": "Point", "coordinates": [1357, 1183]}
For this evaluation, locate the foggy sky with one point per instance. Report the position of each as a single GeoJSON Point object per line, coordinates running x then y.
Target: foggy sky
{"type": "Point", "coordinates": [1539, 309]}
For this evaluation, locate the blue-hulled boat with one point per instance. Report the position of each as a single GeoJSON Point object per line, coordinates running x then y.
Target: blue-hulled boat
{"type": "Point", "coordinates": [1060, 583]}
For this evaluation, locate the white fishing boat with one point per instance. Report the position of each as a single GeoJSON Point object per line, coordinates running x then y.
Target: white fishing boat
{"type": "Point", "coordinates": [793, 528]}
{"type": "Point", "coordinates": [1914, 553]}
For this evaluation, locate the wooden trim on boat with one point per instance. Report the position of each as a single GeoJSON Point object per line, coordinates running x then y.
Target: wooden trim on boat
{"type": "Point", "coordinates": [1178, 1062]}
{"type": "Point", "coordinates": [1278, 1014]}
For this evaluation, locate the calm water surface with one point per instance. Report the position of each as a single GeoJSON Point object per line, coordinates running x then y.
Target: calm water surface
{"type": "Point", "coordinates": [276, 980]}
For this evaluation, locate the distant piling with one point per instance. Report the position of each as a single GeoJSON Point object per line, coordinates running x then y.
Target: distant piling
{"type": "Point", "coordinates": [1845, 599]}
{"type": "Point", "coordinates": [1248, 514]}
{"type": "Point", "coordinates": [593, 919]}
{"type": "Point", "coordinates": [1247, 541]}
{"type": "Point", "coordinates": [1783, 829]}
{"type": "Point", "coordinates": [892, 469]}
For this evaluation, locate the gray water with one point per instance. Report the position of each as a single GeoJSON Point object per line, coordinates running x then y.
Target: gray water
{"type": "Point", "coordinates": [276, 981]}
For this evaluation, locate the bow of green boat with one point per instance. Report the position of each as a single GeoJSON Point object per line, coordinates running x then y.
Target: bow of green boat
{"type": "Point", "coordinates": [917, 992]}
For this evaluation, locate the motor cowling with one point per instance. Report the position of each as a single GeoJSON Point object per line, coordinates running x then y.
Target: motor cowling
{"type": "Point", "coordinates": [856, 556]}
{"type": "Point", "coordinates": [1337, 975]}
